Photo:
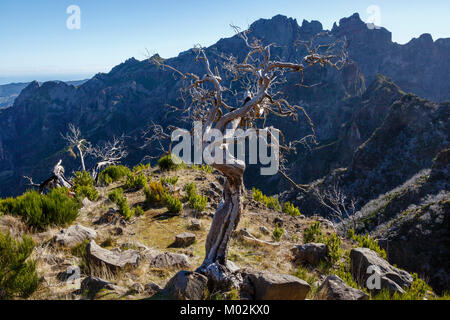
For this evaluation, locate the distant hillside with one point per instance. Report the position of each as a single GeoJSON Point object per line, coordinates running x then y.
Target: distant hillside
{"type": "Point", "coordinates": [9, 92]}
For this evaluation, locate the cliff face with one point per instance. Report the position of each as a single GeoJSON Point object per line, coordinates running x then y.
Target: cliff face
{"type": "Point", "coordinates": [136, 92]}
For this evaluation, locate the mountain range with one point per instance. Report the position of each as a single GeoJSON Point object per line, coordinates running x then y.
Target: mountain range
{"type": "Point", "coordinates": [346, 107]}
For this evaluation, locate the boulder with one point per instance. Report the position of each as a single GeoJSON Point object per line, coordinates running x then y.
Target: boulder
{"type": "Point", "coordinates": [113, 260]}
{"type": "Point", "coordinates": [391, 278]}
{"type": "Point", "coordinates": [311, 253]}
{"type": "Point", "coordinates": [184, 240]}
{"type": "Point", "coordinates": [271, 286]}
{"type": "Point", "coordinates": [169, 260]}
{"type": "Point", "coordinates": [195, 225]}
{"type": "Point", "coordinates": [186, 285]}
{"type": "Point", "coordinates": [92, 285]}
{"type": "Point", "coordinates": [74, 235]}
{"type": "Point", "coordinates": [334, 288]}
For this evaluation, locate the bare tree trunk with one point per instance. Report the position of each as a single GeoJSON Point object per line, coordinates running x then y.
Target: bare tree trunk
{"type": "Point", "coordinates": [225, 222]}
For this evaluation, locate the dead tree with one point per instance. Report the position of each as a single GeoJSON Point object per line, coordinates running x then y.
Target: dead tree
{"type": "Point", "coordinates": [73, 137]}
{"type": "Point", "coordinates": [111, 153]}
{"type": "Point", "coordinates": [209, 100]}
{"type": "Point", "coordinates": [57, 180]}
{"type": "Point", "coordinates": [341, 208]}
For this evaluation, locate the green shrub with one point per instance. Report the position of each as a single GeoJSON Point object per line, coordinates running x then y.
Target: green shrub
{"type": "Point", "coordinates": [312, 233]}
{"type": "Point", "coordinates": [40, 211]}
{"type": "Point", "coordinates": [136, 181]}
{"type": "Point", "coordinates": [170, 162]}
{"type": "Point", "coordinates": [191, 190]}
{"type": "Point", "coordinates": [277, 232]}
{"type": "Point", "coordinates": [115, 195]}
{"type": "Point", "coordinates": [289, 209]}
{"type": "Point", "coordinates": [141, 167]}
{"type": "Point", "coordinates": [138, 211]}
{"type": "Point", "coordinates": [173, 204]}
{"type": "Point", "coordinates": [198, 202]}
{"type": "Point", "coordinates": [269, 202]}
{"type": "Point", "coordinates": [18, 276]}
{"type": "Point", "coordinates": [154, 192]}
{"type": "Point", "coordinates": [169, 180]}
{"type": "Point", "coordinates": [113, 174]}
{"type": "Point", "coordinates": [204, 168]}
{"type": "Point", "coordinates": [367, 242]}
{"type": "Point", "coordinates": [84, 186]}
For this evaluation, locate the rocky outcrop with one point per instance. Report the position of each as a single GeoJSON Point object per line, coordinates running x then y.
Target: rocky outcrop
{"type": "Point", "coordinates": [310, 253]}
{"type": "Point", "coordinates": [366, 263]}
{"type": "Point", "coordinates": [184, 240]}
{"type": "Point", "coordinates": [99, 257]}
{"type": "Point", "coordinates": [74, 235]}
{"type": "Point", "coordinates": [186, 285]}
{"type": "Point", "coordinates": [271, 286]}
{"type": "Point", "coordinates": [334, 288]}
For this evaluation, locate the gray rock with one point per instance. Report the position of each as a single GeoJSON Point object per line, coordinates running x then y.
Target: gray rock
{"type": "Point", "coordinates": [74, 235]}
{"type": "Point", "coordinates": [391, 278]}
{"type": "Point", "coordinates": [184, 240]}
{"type": "Point", "coordinates": [264, 230]}
{"type": "Point", "coordinates": [311, 253]}
{"type": "Point", "coordinates": [271, 286]}
{"type": "Point", "coordinates": [169, 260]}
{"type": "Point", "coordinates": [195, 225]}
{"type": "Point", "coordinates": [186, 285]}
{"type": "Point", "coordinates": [334, 288]}
{"type": "Point", "coordinates": [114, 260]}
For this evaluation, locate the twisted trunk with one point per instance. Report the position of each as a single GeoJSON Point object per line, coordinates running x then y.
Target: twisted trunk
{"type": "Point", "coordinates": [225, 222]}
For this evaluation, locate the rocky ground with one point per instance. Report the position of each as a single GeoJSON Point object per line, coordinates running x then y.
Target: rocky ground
{"type": "Point", "coordinates": [103, 256]}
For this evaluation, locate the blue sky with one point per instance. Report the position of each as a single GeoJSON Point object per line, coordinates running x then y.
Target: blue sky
{"type": "Point", "coordinates": [36, 44]}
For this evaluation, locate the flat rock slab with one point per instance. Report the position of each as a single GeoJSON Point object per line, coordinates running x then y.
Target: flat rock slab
{"type": "Point", "coordinates": [113, 259]}
{"type": "Point", "coordinates": [272, 286]}
{"type": "Point", "coordinates": [74, 235]}
{"type": "Point", "coordinates": [391, 278]}
{"type": "Point", "coordinates": [184, 240]}
{"type": "Point", "coordinates": [169, 260]}
{"type": "Point", "coordinates": [334, 288]}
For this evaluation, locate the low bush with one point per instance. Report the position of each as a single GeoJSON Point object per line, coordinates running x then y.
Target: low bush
{"type": "Point", "coordinates": [18, 276]}
{"type": "Point", "coordinates": [42, 210]}
{"type": "Point", "coordinates": [170, 162]}
{"type": "Point", "coordinates": [312, 233]}
{"type": "Point", "coordinates": [84, 186]}
{"type": "Point", "coordinates": [169, 180]}
{"type": "Point", "coordinates": [278, 232]}
{"type": "Point", "coordinates": [367, 242]}
{"type": "Point", "coordinates": [113, 174]}
{"type": "Point", "coordinates": [154, 193]}
{"type": "Point", "coordinates": [173, 204]}
{"type": "Point", "coordinates": [136, 181]}
{"type": "Point", "coordinates": [269, 202]}
{"type": "Point", "coordinates": [291, 210]}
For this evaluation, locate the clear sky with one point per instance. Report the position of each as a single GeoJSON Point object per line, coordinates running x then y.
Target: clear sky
{"type": "Point", "coordinates": [35, 42]}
